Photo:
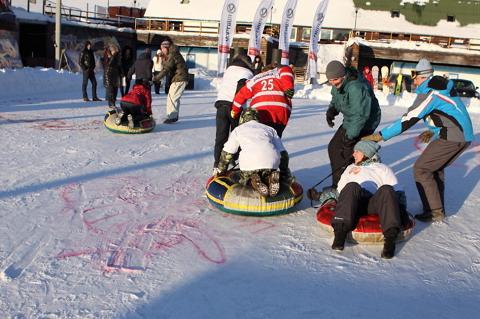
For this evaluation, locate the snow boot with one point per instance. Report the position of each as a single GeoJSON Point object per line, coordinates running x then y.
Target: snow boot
{"type": "Point", "coordinates": [96, 99]}
{"type": "Point", "coordinates": [130, 121]}
{"type": "Point", "coordinates": [435, 215]}
{"type": "Point", "coordinates": [258, 185]}
{"type": "Point", "coordinates": [339, 240]}
{"type": "Point", "coordinates": [390, 236]}
{"type": "Point", "coordinates": [119, 118]}
{"type": "Point", "coordinates": [86, 99]}
{"type": "Point", "coordinates": [274, 183]}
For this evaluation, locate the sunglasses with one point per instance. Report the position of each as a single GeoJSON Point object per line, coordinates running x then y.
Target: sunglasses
{"type": "Point", "coordinates": [414, 73]}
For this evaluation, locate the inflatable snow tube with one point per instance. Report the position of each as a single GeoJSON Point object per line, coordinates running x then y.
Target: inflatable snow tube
{"type": "Point", "coordinates": [146, 125]}
{"type": "Point", "coordinates": [229, 196]}
{"type": "Point", "coordinates": [368, 229]}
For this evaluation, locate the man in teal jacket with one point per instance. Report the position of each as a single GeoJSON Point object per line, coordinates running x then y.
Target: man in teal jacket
{"type": "Point", "coordinates": [354, 98]}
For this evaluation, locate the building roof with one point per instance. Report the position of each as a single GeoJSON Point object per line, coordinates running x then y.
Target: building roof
{"type": "Point", "coordinates": [340, 15]}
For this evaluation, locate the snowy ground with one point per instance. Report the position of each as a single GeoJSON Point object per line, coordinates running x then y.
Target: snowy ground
{"type": "Point", "coordinates": [101, 225]}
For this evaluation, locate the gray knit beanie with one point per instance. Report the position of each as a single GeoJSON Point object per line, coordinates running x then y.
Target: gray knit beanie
{"type": "Point", "coordinates": [424, 68]}
{"type": "Point", "coordinates": [368, 148]}
{"type": "Point", "coordinates": [335, 70]}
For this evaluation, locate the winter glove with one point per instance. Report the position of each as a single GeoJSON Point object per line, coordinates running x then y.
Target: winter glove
{"type": "Point", "coordinates": [225, 159]}
{"type": "Point", "coordinates": [425, 137]}
{"type": "Point", "coordinates": [290, 93]}
{"type": "Point", "coordinates": [375, 137]}
{"type": "Point", "coordinates": [330, 115]}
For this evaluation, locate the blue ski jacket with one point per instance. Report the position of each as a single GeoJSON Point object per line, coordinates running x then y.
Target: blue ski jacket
{"type": "Point", "coordinates": [445, 115]}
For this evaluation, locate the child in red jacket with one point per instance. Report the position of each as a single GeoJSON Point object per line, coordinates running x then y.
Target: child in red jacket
{"type": "Point", "coordinates": [137, 103]}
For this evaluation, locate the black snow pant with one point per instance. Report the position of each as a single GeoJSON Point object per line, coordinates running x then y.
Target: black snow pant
{"type": "Point", "coordinates": [89, 75]}
{"type": "Point", "coordinates": [354, 202]}
{"type": "Point", "coordinates": [340, 150]}
{"type": "Point", "coordinates": [277, 127]}
{"type": "Point", "coordinates": [111, 93]}
{"type": "Point", "coordinates": [225, 124]}
{"type": "Point", "coordinates": [429, 173]}
{"type": "Point", "coordinates": [138, 112]}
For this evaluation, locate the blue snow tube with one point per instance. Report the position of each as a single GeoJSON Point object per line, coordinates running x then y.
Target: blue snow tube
{"type": "Point", "coordinates": [229, 196]}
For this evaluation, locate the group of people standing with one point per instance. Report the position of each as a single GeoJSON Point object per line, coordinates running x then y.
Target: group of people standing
{"type": "Point", "coordinates": [360, 182]}
{"type": "Point", "coordinates": [119, 69]}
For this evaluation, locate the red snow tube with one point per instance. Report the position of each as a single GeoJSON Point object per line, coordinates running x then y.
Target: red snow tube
{"type": "Point", "coordinates": [368, 229]}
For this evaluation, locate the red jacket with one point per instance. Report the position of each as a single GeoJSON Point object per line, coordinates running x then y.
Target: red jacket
{"type": "Point", "coordinates": [368, 75]}
{"type": "Point", "coordinates": [267, 91]}
{"type": "Point", "coordinates": [139, 95]}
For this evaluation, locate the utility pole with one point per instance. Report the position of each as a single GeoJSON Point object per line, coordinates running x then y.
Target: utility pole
{"type": "Point", "coordinates": [58, 31]}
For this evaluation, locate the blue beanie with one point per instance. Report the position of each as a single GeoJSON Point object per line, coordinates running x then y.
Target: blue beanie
{"type": "Point", "coordinates": [368, 148]}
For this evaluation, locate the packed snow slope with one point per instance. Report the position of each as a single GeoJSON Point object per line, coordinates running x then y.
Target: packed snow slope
{"type": "Point", "coordinates": [103, 225]}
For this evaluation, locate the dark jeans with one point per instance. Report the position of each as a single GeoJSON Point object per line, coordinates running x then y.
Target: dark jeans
{"type": "Point", "coordinates": [340, 150]}
{"type": "Point", "coordinates": [89, 75]}
{"type": "Point", "coordinates": [111, 94]}
{"type": "Point", "coordinates": [124, 89]}
{"type": "Point", "coordinates": [225, 124]}
{"type": "Point", "coordinates": [278, 127]}
{"type": "Point", "coordinates": [156, 83]}
{"type": "Point", "coordinates": [354, 202]}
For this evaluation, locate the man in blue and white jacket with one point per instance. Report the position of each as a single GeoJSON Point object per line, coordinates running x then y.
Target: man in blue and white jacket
{"type": "Point", "coordinates": [448, 121]}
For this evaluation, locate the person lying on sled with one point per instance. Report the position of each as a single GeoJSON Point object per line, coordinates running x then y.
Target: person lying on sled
{"type": "Point", "coordinates": [136, 105]}
{"type": "Point", "coordinates": [369, 186]}
{"type": "Point", "coordinates": [261, 154]}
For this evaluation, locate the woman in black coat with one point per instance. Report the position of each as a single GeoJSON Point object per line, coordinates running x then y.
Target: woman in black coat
{"type": "Point", "coordinates": [112, 74]}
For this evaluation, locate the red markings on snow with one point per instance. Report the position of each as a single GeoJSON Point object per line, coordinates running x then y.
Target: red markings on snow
{"type": "Point", "coordinates": [60, 125]}
{"type": "Point", "coordinates": [124, 230]}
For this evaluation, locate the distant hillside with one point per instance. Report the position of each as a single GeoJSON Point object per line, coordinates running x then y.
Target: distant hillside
{"type": "Point", "coordinates": [464, 11]}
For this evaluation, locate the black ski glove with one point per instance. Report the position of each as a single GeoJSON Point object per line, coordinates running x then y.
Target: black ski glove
{"type": "Point", "coordinates": [330, 115]}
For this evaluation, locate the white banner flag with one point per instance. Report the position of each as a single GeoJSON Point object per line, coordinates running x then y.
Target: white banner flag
{"type": "Point", "coordinates": [315, 37]}
{"type": "Point", "coordinates": [225, 34]}
{"type": "Point", "coordinates": [261, 17]}
{"type": "Point", "coordinates": [286, 29]}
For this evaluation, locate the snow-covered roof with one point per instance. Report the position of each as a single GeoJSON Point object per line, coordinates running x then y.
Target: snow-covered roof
{"type": "Point", "coordinates": [340, 15]}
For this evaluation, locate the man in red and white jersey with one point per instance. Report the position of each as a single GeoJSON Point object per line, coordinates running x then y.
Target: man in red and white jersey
{"type": "Point", "coordinates": [271, 92]}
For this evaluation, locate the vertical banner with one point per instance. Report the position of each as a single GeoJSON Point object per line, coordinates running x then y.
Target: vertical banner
{"type": "Point", "coordinates": [286, 29]}
{"type": "Point", "coordinates": [228, 23]}
{"type": "Point", "coordinates": [261, 16]}
{"type": "Point", "coordinates": [315, 37]}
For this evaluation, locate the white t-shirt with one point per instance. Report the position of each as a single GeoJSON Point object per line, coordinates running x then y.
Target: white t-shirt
{"type": "Point", "coordinates": [370, 177]}
{"type": "Point", "coordinates": [259, 143]}
{"type": "Point", "coordinates": [228, 87]}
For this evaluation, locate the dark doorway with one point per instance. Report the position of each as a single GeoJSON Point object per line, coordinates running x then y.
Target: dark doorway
{"type": "Point", "coordinates": [33, 44]}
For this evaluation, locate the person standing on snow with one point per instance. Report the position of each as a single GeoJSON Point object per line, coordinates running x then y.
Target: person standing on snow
{"type": "Point", "coordinates": [271, 93]}
{"type": "Point", "coordinates": [233, 79]}
{"type": "Point", "coordinates": [447, 119]}
{"type": "Point", "coordinates": [113, 75]}
{"type": "Point", "coordinates": [367, 186]}
{"type": "Point", "coordinates": [87, 64]}
{"type": "Point", "coordinates": [175, 66]}
{"type": "Point", "coordinates": [157, 67]}
{"type": "Point", "coordinates": [260, 154]}
{"type": "Point", "coordinates": [354, 98]}
{"type": "Point", "coordinates": [127, 62]}
{"type": "Point", "coordinates": [142, 68]}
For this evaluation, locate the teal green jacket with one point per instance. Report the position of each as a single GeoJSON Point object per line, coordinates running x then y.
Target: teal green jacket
{"type": "Point", "coordinates": [357, 102]}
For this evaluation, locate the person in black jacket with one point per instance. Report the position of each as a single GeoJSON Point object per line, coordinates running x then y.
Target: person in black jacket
{"type": "Point", "coordinates": [142, 68]}
{"type": "Point", "coordinates": [87, 63]}
{"type": "Point", "coordinates": [113, 75]}
{"type": "Point", "coordinates": [257, 65]}
{"type": "Point", "coordinates": [127, 62]}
